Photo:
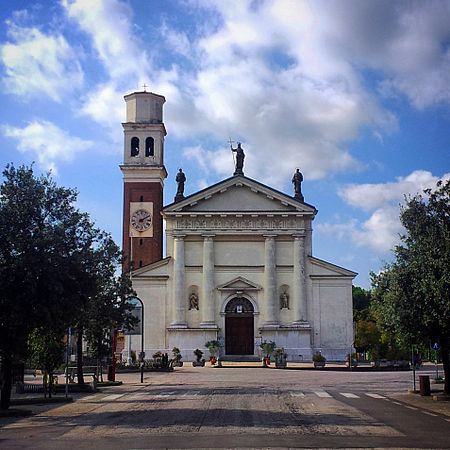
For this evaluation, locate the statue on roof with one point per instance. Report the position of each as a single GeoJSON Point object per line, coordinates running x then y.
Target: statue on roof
{"type": "Point", "coordinates": [180, 179]}
{"type": "Point", "coordinates": [240, 155]}
{"type": "Point", "coordinates": [297, 182]}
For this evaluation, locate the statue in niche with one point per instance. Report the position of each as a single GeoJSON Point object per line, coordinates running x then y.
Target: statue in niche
{"type": "Point", "coordinates": [193, 301]}
{"type": "Point", "coordinates": [297, 182]}
{"type": "Point", "coordinates": [284, 300]}
{"type": "Point", "coordinates": [240, 155]}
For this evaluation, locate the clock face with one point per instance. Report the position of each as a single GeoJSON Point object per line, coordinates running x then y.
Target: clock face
{"type": "Point", "coordinates": [141, 220]}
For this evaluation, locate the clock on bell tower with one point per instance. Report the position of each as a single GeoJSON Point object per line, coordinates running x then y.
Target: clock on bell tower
{"type": "Point", "coordinates": [143, 175]}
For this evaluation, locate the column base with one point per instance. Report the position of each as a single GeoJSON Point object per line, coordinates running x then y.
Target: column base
{"type": "Point", "coordinates": [176, 325]}
{"type": "Point", "coordinates": [301, 324]}
{"type": "Point", "coordinates": [209, 325]}
{"type": "Point", "coordinates": [270, 325]}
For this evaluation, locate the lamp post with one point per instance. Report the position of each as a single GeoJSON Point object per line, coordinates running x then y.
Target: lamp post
{"type": "Point", "coordinates": [138, 304]}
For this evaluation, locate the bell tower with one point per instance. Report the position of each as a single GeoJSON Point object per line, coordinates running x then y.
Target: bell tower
{"type": "Point", "coordinates": [143, 175]}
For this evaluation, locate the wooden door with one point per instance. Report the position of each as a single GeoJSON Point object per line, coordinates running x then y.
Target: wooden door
{"type": "Point", "coordinates": [239, 338]}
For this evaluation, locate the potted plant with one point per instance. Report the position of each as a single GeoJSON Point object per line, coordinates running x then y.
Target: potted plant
{"type": "Point", "coordinates": [280, 358]}
{"type": "Point", "coordinates": [351, 360]}
{"type": "Point", "coordinates": [177, 357]}
{"type": "Point", "coordinates": [199, 361]}
{"type": "Point", "coordinates": [213, 348]}
{"type": "Point", "coordinates": [319, 360]}
{"type": "Point", "coordinates": [267, 348]}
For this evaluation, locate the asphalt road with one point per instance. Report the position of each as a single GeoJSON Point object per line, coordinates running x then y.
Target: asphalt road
{"type": "Point", "coordinates": [237, 408]}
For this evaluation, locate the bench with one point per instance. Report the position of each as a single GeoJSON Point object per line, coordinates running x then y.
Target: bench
{"type": "Point", "coordinates": [88, 371]}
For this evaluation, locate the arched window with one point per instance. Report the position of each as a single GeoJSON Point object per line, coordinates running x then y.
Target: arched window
{"type": "Point", "coordinates": [134, 146]}
{"type": "Point", "coordinates": [149, 147]}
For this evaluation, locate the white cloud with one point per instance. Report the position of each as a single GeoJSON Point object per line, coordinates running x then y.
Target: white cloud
{"type": "Point", "coordinates": [382, 229]}
{"type": "Point", "coordinates": [109, 24]}
{"type": "Point", "coordinates": [46, 142]}
{"type": "Point", "coordinates": [371, 196]}
{"type": "Point", "coordinates": [37, 63]}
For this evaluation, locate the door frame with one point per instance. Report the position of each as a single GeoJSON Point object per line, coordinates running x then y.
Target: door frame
{"type": "Point", "coordinates": [256, 313]}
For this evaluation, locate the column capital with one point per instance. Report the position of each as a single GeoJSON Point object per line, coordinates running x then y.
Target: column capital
{"type": "Point", "coordinates": [269, 236]}
{"type": "Point", "coordinates": [298, 236]}
{"type": "Point", "coordinates": [208, 237]}
{"type": "Point", "coordinates": [179, 236]}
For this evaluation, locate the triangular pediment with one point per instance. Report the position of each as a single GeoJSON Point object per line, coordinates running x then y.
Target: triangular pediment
{"type": "Point", "coordinates": [239, 284]}
{"type": "Point", "coordinates": [239, 194]}
{"type": "Point", "coordinates": [324, 269]}
{"type": "Point", "coordinates": [156, 269]}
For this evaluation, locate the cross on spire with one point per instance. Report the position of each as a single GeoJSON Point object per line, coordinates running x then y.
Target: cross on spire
{"type": "Point", "coordinates": [145, 86]}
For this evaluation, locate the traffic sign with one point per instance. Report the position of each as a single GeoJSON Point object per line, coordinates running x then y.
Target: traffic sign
{"type": "Point", "coordinates": [436, 346]}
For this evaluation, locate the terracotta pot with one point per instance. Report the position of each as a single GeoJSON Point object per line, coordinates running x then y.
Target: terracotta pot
{"type": "Point", "coordinates": [212, 360]}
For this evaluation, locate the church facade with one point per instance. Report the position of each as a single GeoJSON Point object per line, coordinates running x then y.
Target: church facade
{"type": "Point", "coordinates": [239, 265]}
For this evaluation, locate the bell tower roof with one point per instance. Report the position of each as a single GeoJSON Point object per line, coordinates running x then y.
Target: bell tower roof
{"type": "Point", "coordinates": [144, 107]}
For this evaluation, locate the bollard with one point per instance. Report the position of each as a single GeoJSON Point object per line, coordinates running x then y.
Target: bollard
{"type": "Point", "coordinates": [424, 382]}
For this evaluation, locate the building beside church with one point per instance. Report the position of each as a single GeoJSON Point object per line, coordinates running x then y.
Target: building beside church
{"type": "Point", "coordinates": [239, 265]}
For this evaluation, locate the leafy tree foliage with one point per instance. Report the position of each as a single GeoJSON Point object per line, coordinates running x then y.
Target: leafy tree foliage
{"type": "Point", "coordinates": [361, 303]}
{"type": "Point", "coordinates": [47, 353]}
{"type": "Point", "coordinates": [41, 232]}
{"type": "Point", "coordinates": [412, 296]}
{"type": "Point", "coordinates": [54, 266]}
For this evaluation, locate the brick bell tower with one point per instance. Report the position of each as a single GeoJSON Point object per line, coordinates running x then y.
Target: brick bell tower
{"type": "Point", "coordinates": [143, 175]}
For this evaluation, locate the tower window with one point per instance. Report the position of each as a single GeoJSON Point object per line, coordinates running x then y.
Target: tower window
{"type": "Point", "coordinates": [134, 151]}
{"type": "Point", "coordinates": [149, 147]}
{"type": "Point", "coordinates": [140, 241]}
{"type": "Point", "coordinates": [142, 198]}
{"type": "Point", "coordinates": [140, 263]}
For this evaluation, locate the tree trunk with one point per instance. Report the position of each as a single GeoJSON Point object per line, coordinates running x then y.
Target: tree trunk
{"type": "Point", "coordinates": [80, 376]}
{"type": "Point", "coordinates": [445, 353]}
{"type": "Point", "coordinates": [6, 382]}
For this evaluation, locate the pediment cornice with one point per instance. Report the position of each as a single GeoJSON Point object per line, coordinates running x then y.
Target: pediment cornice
{"type": "Point", "coordinates": [239, 284]}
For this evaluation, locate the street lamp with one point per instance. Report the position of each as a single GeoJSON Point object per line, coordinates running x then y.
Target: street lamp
{"type": "Point", "coordinates": [138, 310]}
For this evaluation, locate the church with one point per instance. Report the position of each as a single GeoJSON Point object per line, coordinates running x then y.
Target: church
{"type": "Point", "coordinates": [238, 267]}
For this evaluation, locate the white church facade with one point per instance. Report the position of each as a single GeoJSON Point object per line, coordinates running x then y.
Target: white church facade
{"type": "Point", "coordinates": [239, 266]}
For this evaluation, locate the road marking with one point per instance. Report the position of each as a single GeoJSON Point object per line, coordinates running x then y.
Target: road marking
{"type": "Point", "coordinates": [411, 407]}
{"type": "Point", "coordinates": [112, 397]}
{"type": "Point", "coordinates": [374, 395]}
{"type": "Point", "coordinates": [165, 394]}
{"type": "Point", "coordinates": [191, 394]}
{"type": "Point", "coordinates": [322, 394]}
{"type": "Point", "coordinates": [397, 403]}
{"type": "Point", "coordinates": [89, 398]}
{"type": "Point", "coordinates": [448, 420]}
{"type": "Point", "coordinates": [298, 394]}
{"type": "Point", "coordinates": [430, 414]}
{"type": "Point", "coordinates": [349, 395]}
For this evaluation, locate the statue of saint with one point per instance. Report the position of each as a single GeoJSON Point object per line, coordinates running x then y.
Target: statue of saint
{"type": "Point", "coordinates": [297, 181]}
{"type": "Point", "coordinates": [284, 300]}
{"type": "Point", "coordinates": [240, 155]}
{"type": "Point", "coordinates": [180, 179]}
{"type": "Point", "coordinates": [193, 301]}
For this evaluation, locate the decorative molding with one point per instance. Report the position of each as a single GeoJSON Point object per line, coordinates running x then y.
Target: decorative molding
{"type": "Point", "coordinates": [224, 222]}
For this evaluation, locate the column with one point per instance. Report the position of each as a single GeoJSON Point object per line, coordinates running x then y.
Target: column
{"type": "Point", "coordinates": [179, 291]}
{"type": "Point", "coordinates": [270, 282]}
{"type": "Point", "coordinates": [299, 281]}
{"type": "Point", "coordinates": [207, 300]}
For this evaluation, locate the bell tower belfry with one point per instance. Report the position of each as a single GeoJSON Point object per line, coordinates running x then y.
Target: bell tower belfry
{"type": "Point", "coordinates": [143, 175]}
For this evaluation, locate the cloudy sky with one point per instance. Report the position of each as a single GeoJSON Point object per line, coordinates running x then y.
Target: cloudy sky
{"type": "Point", "coordinates": [354, 93]}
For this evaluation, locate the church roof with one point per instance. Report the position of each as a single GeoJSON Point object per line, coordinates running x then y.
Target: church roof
{"type": "Point", "coordinates": [259, 196]}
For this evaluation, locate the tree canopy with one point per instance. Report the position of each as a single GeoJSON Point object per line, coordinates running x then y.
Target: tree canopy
{"type": "Point", "coordinates": [412, 295]}
{"type": "Point", "coordinates": [54, 266]}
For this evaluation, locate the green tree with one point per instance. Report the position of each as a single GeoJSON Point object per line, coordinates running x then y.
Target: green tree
{"type": "Point", "coordinates": [368, 337]}
{"type": "Point", "coordinates": [412, 295]}
{"type": "Point", "coordinates": [361, 303]}
{"type": "Point", "coordinates": [47, 354]}
{"type": "Point", "coordinates": [41, 230]}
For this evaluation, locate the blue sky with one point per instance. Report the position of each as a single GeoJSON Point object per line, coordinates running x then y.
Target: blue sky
{"type": "Point", "coordinates": [356, 94]}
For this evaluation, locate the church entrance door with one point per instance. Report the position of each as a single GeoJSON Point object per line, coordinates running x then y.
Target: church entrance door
{"type": "Point", "coordinates": [239, 327]}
